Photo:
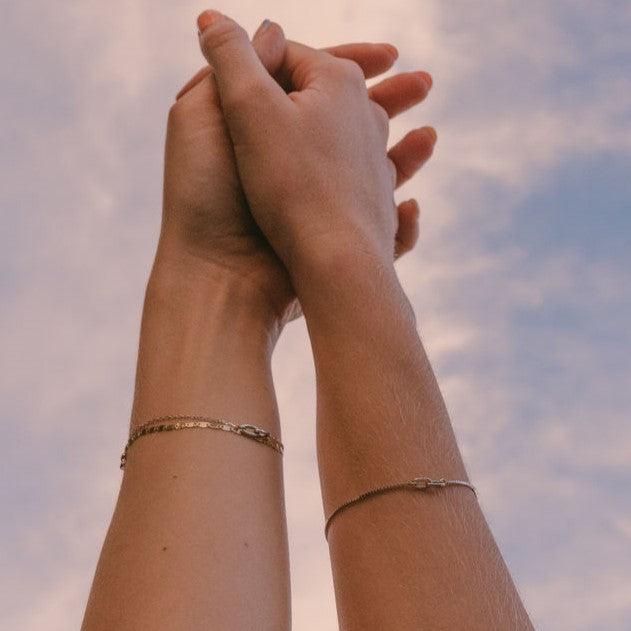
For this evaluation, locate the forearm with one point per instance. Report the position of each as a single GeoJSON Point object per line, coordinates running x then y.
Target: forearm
{"type": "Point", "coordinates": [404, 559]}
{"type": "Point", "coordinates": [198, 538]}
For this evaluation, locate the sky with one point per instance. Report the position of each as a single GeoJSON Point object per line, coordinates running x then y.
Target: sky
{"type": "Point", "coordinates": [521, 281]}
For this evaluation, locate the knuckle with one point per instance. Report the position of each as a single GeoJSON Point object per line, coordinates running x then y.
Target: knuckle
{"type": "Point", "coordinates": [350, 72]}
{"type": "Point", "coordinates": [392, 167]}
{"type": "Point", "coordinates": [248, 92]}
{"type": "Point", "coordinates": [383, 120]}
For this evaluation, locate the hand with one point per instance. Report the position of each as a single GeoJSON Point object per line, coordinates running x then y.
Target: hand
{"type": "Point", "coordinates": [312, 162]}
{"type": "Point", "coordinates": [207, 222]}
{"type": "Point", "coordinates": [207, 228]}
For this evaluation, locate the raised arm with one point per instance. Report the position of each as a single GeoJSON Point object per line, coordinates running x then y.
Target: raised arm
{"type": "Point", "coordinates": [198, 537]}
{"type": "Point", "coordinates": [314, 168]}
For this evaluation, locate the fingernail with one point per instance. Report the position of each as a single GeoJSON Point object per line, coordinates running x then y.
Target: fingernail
{"type": "Point", "coordinates": [264, 26]}
{"type": "Point", "coordinates": [207, 18]}
{"type": "Point", "coordinates": [427, 78]}
{"type": "Point", "coordinates": [392, 50]}
{"type": "Point", "coordinates": [432, 132]}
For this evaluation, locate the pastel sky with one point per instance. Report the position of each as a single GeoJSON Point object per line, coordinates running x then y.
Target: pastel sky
{"type": "Point", "coordinates": [521, 281]}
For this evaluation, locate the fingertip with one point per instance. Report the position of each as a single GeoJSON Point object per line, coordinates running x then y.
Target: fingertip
{"type": "Point", "coordinates": [408, 228]}
{"type": "Point", "coordinates": [269, 43]}
{"type": "Point", "coordinates": [415, 209]}
{"type": "Point", "coordinates": [265, 24]}
{"type": "Point", "coordinates": [431, 132]}
{"type": "Point", "coordinates": [392, 50]}
{"type": "Point", "coordinates": [427, 79]}
{"type": "Point", "coordinates": [237, 68]}
{"type": "Point", "coordinates": [266, 28]}
{"type": "Point", "coordinates": [207, 18]}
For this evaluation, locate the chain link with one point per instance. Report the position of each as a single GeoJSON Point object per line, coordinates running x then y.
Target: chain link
{"type": "Point", "coordinates": [417, 484]}
{"type": "Point", "coordinates": [183, 421]}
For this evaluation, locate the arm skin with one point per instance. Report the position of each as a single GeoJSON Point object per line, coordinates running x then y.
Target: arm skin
{"type": "Point", "coordinates": [198, 538]}
{"type": "Point", "coordinates": [402, 561]}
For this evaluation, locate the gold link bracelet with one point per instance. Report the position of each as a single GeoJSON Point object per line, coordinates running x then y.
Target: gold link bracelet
{"type": "Point", "coordinates": [189, 422]}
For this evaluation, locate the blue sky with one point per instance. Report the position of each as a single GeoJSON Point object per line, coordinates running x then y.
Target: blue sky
{"type": "Point", "coordinates": [520, 282]}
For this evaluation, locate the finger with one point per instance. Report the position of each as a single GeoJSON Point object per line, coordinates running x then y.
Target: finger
{"type": "Point", "coordinates": [199, 76]}
{"type": "Point", "coordinates": [244, 83]}
{"type": "Point", "coordinates": [373, 59]}
{"type": "Point", "coordinates": [269, 43]}
{"type": "Point", "coordinates": [411, 153]}
{"type": "Point", "coordinates": [397, 94]}
{"type": "Point", "coordinates": [407, 233]}
{"type": "Point", "coordinates": [394, 173]}
{"type": "Point", "coordinates": [305, 67]}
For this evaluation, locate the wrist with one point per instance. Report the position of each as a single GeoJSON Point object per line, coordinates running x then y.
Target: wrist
{"type": "Point", "coordinates": [322, 258]}
{"type": "Point", "coordinates": [228, 299]}
{"type": "Point", "coordinates": [348, 280]}
{"type": "Point", "coordinates": [202, 339]}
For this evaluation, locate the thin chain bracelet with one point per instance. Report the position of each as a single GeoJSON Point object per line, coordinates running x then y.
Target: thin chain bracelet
{"type": "Point", "coordinates": [188, 422]}
{"type": "Point", "coordinates": [418, 484]}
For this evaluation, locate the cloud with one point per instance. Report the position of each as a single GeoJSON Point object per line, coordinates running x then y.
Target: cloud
{"type": "Point", "coordinates": [536, 388]}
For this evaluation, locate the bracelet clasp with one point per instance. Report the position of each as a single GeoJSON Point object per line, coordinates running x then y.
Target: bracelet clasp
{"type": "Point", "coordinates": [424, 483]}
{"type": "Point", "coordinates": [252, 431]}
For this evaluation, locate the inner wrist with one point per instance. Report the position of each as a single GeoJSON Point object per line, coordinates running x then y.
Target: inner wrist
{"type": "Point", "coordinates": [201, 340]}
{"type": "Point", "coordinates": [215, 298]}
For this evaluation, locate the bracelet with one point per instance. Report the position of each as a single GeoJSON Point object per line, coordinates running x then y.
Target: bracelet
{"type": "Point", "coordinates": [189, 422]}
{"type": "Point", "coordinates": [418, 484]}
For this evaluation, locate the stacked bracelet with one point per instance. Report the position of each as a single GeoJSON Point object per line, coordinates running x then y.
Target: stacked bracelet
{"type": "Point", "coordinates": [190, 422]}
{"type": "Point", "coordinates": [418, 484]}
{"type": "Point", "coordinates": [262, 436]}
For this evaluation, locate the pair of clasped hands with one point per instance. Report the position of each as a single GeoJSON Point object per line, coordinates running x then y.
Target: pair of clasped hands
{"type": "Point", "coordinates": [277, 167]}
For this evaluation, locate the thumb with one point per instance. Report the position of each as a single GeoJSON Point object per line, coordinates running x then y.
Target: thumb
{"type": "Point", "coordinates": [242, 80]}
{"type": "Point", "coordinates": [269, 43]}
